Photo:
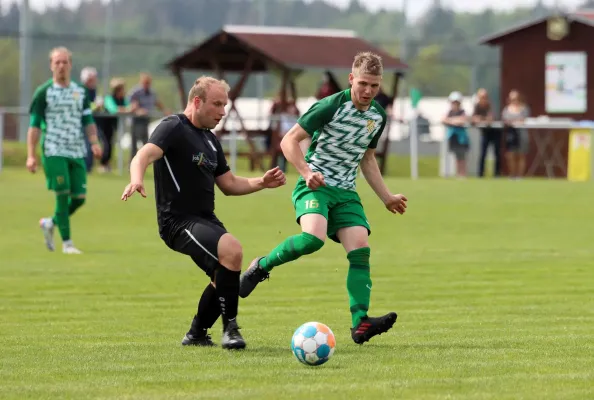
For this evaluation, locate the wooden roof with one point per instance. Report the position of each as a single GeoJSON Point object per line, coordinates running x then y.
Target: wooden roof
{"type": "Point", "coordinates": [585, 17]}
{"type": "Point", "coordinates": [286, 48]}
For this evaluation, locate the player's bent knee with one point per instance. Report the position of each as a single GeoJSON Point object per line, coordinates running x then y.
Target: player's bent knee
{"type": "Point", "coordinates": [230, 252]}
{"type": "Point", "coordinates": [309, 244]}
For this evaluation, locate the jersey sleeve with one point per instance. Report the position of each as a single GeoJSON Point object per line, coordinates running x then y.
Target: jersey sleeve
{"type": "Point", "coordinates": [222, 166]}
{"type": "Point", "coordinates": [87, 114]}
{"type": "Point", "coordinates": [110, 105]}
{"type": "Point", "coordinates": [376, 138]}
{"type": "Point", "coordinates": [318, 115]}
{"type": "Point", "coordinates": [37, 108]}
{"type": "Point", "coordinates": [166, 133]}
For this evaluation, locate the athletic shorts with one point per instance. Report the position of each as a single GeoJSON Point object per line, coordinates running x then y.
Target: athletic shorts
{"type": "Point", "coordinates": [342, 208]}
{"type": "Point", "coordinates": [63, 174]}
{"type": "Point", "coordinates": [198, 238]}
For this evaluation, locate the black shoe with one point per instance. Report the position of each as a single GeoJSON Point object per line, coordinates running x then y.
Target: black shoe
{"type": "Point", "coordinates": [369, 327]}
{"type": "Point", "coordinates": [201, 338]}
{"type": "Point", "coordinates": [232, 339]}
{"type": "Point", "coordinates": [251, 277]}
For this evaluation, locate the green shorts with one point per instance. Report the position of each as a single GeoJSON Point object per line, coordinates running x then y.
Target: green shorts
{"type": "Point", "coordinates": [342, 208]}
{"type": "Point", "coordinates": [63, 174]}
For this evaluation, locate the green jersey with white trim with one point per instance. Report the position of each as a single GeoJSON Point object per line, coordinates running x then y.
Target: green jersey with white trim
{"type": "Point", "coordinates": [61, 113]}
{"type": "Point", "coordinates": [340, 136]}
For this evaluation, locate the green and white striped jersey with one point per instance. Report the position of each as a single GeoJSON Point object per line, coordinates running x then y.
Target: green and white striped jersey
{"type": "Point", "coordinates": [61, 113]}
{"type": "Point", "coordinates": [340, 136]}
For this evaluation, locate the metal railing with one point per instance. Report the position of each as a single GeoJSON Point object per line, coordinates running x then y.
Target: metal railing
{"type": "Point", "coordinates": [400, 132]}
{"type": "Point", "coordinates": [232, 139]}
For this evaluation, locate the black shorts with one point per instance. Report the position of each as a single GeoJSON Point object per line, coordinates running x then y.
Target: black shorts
{"type": "Point", "coordinates": [199, 238]}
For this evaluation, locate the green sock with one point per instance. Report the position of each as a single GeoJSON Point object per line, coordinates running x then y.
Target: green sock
{"type": "Point", "coordinates": [359, 283]}
{"type": "Point", "coordinates": [61, 218]}
{"type": "Point", "coordinates": [291, 249]}
{"type": "Point", "coordinates": [75, 204]}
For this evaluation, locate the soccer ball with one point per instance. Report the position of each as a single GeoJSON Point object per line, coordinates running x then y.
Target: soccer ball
{"type": "Point", "coordinates": [313, 343]}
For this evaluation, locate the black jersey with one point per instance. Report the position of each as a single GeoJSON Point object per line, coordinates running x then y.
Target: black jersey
{"type": "Point", "coordinates": [185, 175]}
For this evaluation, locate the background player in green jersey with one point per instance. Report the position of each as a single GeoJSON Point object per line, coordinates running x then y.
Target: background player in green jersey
{"type": "Point", "coordinates": [345, 129]}
{"type": "Point", "coordinates": [61, 114]}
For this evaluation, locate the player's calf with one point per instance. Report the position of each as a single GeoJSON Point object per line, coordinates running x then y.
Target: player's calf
{"type": "Point", "coordinates": [226, 279]}
{"type": "Point", "coordinates": [289, 250]}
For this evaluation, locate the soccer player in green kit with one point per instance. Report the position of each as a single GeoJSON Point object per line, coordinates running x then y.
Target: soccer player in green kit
{"type": "Point", "coordinates": [61, 113]}
{"type": "Point", "coordinates": [345, 129]}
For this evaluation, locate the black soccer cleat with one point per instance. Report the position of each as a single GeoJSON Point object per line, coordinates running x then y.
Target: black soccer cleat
{"type": "Point", "coordinates": [369, 327]}
{"type": "Point", "coordinates": [200, 338]}
{"type": "Point", "coordinates": [251, 277]}
{"type": "Point", "coordinates": [232, 339]}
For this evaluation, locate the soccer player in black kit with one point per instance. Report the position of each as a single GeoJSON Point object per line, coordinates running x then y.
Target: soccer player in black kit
{"type": "Point", "coordinates": [188, 162]}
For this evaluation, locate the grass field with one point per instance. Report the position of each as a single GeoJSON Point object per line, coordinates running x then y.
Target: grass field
{"type": "Point", "coordinates": [493, 282]}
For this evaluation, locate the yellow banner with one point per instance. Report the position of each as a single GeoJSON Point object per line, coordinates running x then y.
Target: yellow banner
{"type": "Point", "coordinates": [579, 157]}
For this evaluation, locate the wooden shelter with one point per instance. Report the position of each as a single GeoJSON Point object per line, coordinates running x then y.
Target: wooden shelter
{"type": "Point", "coordinates": [524, 50]}
{"type": "Point", "coordinates": [290, 51]}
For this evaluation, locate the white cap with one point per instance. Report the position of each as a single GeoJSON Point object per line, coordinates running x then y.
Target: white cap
{"type": "Point", "coordinates": [455, 96]}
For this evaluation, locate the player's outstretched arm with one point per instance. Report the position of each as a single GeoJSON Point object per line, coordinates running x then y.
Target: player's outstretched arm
{"type": "Point", "coordinates": [148, 154]}
{"type": "Point", "coordinates": [395, 203]}
{"type": "Point", "coordinates": [293, 154]}
{"type": "Point", "coordinates": [232, 185]}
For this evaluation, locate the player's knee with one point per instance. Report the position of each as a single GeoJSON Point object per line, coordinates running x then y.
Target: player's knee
{"type": "Point", "coordinates": [310, 243]}
{"type": "Point", "coordinates": [230, 253]}
{"type": "Point", "coordinates": [359, 256]}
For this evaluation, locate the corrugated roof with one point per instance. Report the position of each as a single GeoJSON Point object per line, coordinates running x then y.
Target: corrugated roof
{"type": "Point", "coordinates": [292, 48]}
{"type": "Point", "coordinates": [583, 16]}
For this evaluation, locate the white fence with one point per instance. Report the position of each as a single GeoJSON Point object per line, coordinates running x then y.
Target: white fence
{"type": "Point", "coordinates": [400, 135]}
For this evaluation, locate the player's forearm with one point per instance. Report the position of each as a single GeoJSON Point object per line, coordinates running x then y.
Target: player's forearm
{"type": "Point", "coordinates": [240, 186]}
{"type": "Point", "coordinates": [32, 140]}
{"type": "Point", "coordinates": [138, 167]}
{"type": "Point", "coordinates": [373, 176]}
{"type": "Point", "coordinates": [294, 155]}
{"type": "Point", "coordinates": [91, 131]}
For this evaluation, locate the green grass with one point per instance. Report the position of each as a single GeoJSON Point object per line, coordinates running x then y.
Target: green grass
{"type": "Point", "coordinates": [492, 281]}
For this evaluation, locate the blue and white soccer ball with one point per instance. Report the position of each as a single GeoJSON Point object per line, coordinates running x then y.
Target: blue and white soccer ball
{"type": "Point", "coordinates": [313, 343]}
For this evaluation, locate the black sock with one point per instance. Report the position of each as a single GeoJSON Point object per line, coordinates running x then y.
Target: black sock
{"type": "Point", "coordinates": [227, 282]}
{"type": "Point", "coordinates": [208, 310]}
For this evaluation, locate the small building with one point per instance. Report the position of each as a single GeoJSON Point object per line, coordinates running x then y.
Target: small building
{"type": "Point", "coordinates": [547, 60]}
{"type": "Point", "coordinates": [247, 50]}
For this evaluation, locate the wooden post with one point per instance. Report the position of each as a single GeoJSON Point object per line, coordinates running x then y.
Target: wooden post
{"type": "Point", "coordinates": [180, 86]}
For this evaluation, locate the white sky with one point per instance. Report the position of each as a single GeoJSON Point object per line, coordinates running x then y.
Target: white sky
{"type": "Point", "coordinates": [415, 7]}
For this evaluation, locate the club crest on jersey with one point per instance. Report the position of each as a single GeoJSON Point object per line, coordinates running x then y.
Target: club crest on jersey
{"type": "Point", "coordinates": [370, 125]}
{"type": "Point", "coordinates": [202, 161]}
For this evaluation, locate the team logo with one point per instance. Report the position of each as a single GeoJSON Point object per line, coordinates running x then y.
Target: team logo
{"type": "Point", "coordinates": [202, 161]}
{"type": "Point", "coordinates": [76, 95]}
{"type": "Point", "coordinates": [370, 125]}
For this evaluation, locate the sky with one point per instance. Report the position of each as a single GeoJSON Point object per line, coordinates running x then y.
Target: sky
{"type": "Point", "coordinates": [415, 7]}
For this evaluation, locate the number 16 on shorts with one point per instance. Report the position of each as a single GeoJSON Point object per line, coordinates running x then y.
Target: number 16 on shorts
{"type": "Point", "coordinates": [311, 204]}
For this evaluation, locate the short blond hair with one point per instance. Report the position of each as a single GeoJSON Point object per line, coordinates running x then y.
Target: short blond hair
{"type": "Point", "coordinates": [201, 86]}
{"type": "Point", "coordinates": [60, 49]}
{"type": "Point", "coordinates": [368, 63]}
